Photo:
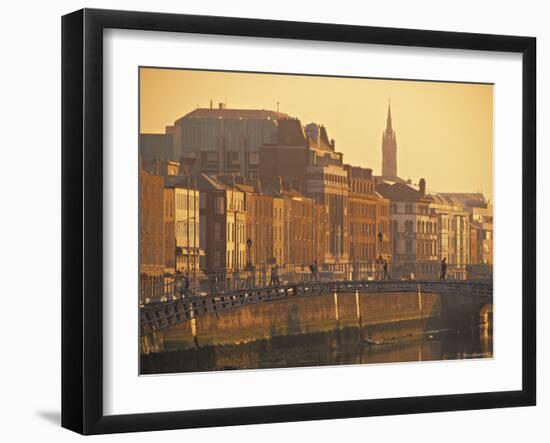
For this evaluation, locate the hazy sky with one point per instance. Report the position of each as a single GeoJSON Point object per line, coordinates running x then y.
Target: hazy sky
{"type": "Point", "coordinates": [444, 130]}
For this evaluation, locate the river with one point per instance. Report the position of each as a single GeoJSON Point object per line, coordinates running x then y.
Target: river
{"type": "Point", "coordinates": [332, 329]}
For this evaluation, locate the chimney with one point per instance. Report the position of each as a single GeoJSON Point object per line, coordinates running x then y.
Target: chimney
{"type": "Point", "coordinates": [210, 103]}
{"type": "Point", "coordinates": [221, 105]}
{"type": "Point", "coordinates": [422, 186]}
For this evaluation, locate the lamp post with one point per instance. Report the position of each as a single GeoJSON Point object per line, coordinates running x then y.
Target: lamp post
{"type": "Point", "coordinates": [248, 247]}
{"type": "Point", "coordinates": [380, 239]}
{"type": "Point", "coordinates": [249, 266]}
{"type": "Point", "coordinates": [187, 220]}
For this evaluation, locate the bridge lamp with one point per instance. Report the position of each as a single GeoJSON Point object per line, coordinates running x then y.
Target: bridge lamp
{"type": "Point", "coordinates": [248, 247]}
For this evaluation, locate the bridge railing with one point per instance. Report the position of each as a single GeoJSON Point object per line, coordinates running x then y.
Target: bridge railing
{"type": "Point", "coordinates": [155, 316]}
{"type": "Point", "coordinates": [223, 282]}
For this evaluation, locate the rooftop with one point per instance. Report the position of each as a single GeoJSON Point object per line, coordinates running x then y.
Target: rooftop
{"type": "Point", "coordinates": [400, 192]}
{"type": "Point", "coordinates": [245, 114]}
{"type": "Point", "coordinates": [472, 199]}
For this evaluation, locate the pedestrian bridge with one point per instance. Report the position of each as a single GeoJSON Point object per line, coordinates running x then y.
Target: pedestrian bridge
{"type": "Point", "coordinates": [160, 315]}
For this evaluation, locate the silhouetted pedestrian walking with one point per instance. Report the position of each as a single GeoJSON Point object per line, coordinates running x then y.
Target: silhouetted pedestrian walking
{"type": "Point", "coordinates": [314, 268]}
{"type": "Point", "coordinates": [443, 271]}
{"type": "Point", "coordinates": [213, 285]}
{"type": "Point", "coordinates": [274, 276]}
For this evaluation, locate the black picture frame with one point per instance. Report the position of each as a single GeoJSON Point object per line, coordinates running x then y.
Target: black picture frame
{"type": "Point", "coordinates": [82, 220]}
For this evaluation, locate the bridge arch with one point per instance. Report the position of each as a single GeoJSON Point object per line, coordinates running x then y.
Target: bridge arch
{"type": "Point", "coordinates": [485, 313]}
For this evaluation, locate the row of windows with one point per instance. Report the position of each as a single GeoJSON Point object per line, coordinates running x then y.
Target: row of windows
{"type": "Point", "coordinates": [336, 179]}
{"type": "Point", "coordinates": [410, 208]}
{"type": "Point", "coordinates": [184, 202]}
{"type": "Point", "coordinates": [365, 229]}
{"type": "Point", "coordinates": [183, 228]}
{"type": "Point", "coordinates": [421, 227]}
{"type": "Point", "coordinates": [423, 248]}
{"type": "Point", "coordinates": [235, 232]}
{"type": "Point", "coordinates": [362, 210]}
{"type": "Point", "coordinates": [363, 251]}
{"type": "Point", "coordinates": [362, 186]}
{"type": "Point", "coordinates": [232, 157]}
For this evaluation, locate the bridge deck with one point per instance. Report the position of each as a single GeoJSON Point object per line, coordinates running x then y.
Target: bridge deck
{"type": "Point", "coordinates": [161, 315]}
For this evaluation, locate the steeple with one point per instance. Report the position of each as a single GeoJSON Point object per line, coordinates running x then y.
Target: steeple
{"type": "Point", "coordinates": [389, 148]}
{"type": "Point", "coordinates": [388, 121]}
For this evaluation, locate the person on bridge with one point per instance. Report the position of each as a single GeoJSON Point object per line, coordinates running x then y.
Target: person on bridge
{"type": "Point", "coordinates": [314, 268]}
{"type": "Point", "coordinates": [213, 285]}
{"type": "Point", "coordinates": [186, 283]}
{"type": "Point", "coordinates": [443, 271]}
{"type": "Point", "coordinates": [385, 268]}
{"type": "Point", "coordinates": [274, 276]}
{"type": "Point", "coordinates": [178, 284]}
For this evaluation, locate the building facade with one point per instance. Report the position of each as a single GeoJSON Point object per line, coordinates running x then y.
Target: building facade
{"type": "Point", "coordinates": [187, 228]}
{"type": "Point", "coordinates": [161, 167]}
{"type": "Point", "coordinates": [157, 147]}
{"type": "Point", "coordinates": [453, 230]}
{"type": "Point", "coordinates": [383, 222]}
{"type": "Point", "coordinates": [222, 140]}
{"type": "Point", "coordinates": [170, 248]}
{"type": "Point", "coordinates": [223, 226]}
{"type": "Point", "coordinates": [186, 240]}
{"type": "Point", "coordinates": [480, 216]}
{"type": "Point", "coordinates": [307, 159]}
{"type": "Point", "coordinates": [151, 233]}
{"type": "Point", "coordinates": [413, 230]}
{"type": "Point", "coordinates": [363, 226]}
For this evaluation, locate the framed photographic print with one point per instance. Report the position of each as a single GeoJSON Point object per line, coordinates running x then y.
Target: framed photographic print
{"type": "Point", "coordinates": [270, 221]}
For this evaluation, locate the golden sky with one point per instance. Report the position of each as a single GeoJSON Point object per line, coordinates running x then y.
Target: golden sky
{"type": "Point", "coordinates": [444, 130]}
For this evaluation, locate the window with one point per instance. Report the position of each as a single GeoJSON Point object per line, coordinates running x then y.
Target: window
{"type": "Point", "coordinates": [233, 157]}
{"type": "Point", "coordinates": [211, 157]}
{"type": "Point", "coordinates": [217, 231]}
{"type": "Point", "coordinates": [219, 206]}
{"type": "Point", "coordinates": [254, 158]}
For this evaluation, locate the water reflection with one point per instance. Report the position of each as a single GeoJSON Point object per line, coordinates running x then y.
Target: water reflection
{"type": "Point", "coordinates": [334, 329]}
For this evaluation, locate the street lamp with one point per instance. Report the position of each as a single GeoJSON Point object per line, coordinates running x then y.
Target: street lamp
{"type": "Point", "coordinates": [179, 249]}
{"type": "Point", "coordinates": [248, 247]}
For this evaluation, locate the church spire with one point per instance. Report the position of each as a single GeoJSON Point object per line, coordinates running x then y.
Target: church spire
{"type": "Point", "coordinates": [389, 148]}
{"type": "Point", "coordinates": [388, 121]}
